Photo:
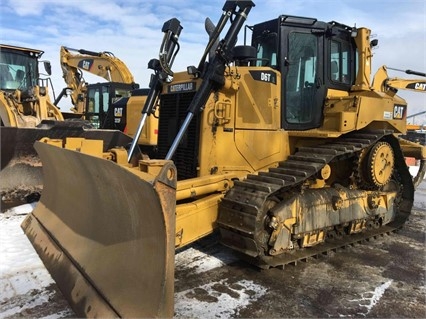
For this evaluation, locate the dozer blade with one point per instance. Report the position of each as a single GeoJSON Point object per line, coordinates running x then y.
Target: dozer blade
{"type": "Point", "coordinates": [105, 234]}
{"type": "Point", "coordinates": [21, 171]}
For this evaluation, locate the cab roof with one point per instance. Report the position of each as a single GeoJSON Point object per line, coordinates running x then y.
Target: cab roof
{"type": "Point", "coordinates": [17, 48]}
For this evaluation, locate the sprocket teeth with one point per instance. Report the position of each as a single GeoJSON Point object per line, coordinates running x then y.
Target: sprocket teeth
{"type": "Point", "coordinates": [374, 167]}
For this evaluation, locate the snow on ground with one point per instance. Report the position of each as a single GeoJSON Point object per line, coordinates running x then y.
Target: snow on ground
{"type": "Point", "coordinates": [414, 170]}
{"type": "Point", "coordinates": [371, 298]}
{"type": "Point", "coordinates": [200, 262]}
{"type": "Point", "coordinates": [217, 299]}
{"type": "Point", "coordinates": [24, 281]}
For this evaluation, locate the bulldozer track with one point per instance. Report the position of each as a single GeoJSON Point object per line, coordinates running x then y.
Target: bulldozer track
{"type": "Point", "coordinates": [305, 254]}
{"type": "Point", "coordinates": [247, 202]}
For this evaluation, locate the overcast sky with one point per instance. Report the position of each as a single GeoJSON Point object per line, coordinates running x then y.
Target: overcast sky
{"type": "Point", "coordinates": [132, 29]}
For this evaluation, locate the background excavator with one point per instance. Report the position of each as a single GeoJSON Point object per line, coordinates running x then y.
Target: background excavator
{"type": "Point", "coordinates": [105, 105]}
{"type": "Point", "coordinates": [283, 146]}
{"type": "Point", "coordinates": [382, 81]}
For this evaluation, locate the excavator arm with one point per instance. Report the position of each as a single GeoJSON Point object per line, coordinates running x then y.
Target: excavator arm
{"type": "Point", "coordinates": [104, 64]}
{"type": "Point", "coordinates": [382, 82]}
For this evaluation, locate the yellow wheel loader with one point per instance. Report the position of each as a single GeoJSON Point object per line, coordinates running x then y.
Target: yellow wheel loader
{"type": "Point", "coordinates": [24, 104]}
{"type": "Point", "coordinates": [24, 98]}
{"type": "Point", "coordinates": [283, 146]}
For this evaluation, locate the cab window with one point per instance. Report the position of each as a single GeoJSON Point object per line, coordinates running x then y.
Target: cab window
{"type": "Point", "coordinates": [301, 76]}
{"type": "Point", "coordinates": [266, 46]}
{"type": "Point", "coordinates": [339, 70]}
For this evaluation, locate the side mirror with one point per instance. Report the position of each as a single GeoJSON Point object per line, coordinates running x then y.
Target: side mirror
{"type": "Point", "coordinates": [48, 67]}
{"type": "Point", "coordinates": [374, 43]}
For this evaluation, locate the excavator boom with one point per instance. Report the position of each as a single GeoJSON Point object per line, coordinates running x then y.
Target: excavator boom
{"type": "Point", "coordinates": [382, 82]}
{"type": "Point", "coordinates": [103, 64]}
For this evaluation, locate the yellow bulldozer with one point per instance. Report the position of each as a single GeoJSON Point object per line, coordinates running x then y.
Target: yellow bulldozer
{"type": "Point", "coordinates": [282, 145]}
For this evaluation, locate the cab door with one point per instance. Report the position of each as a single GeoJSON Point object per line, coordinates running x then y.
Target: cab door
{"type": "Point", "coordinates": [303, 78]}
{"type": "Point", "coordinates": [97, 101]}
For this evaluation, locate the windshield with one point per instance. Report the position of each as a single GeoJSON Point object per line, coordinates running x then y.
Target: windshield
{"type": "Point", "coordinates": [17, 71]}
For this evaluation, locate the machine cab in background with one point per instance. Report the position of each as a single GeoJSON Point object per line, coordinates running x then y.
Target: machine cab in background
{"type": "Point", "coordinates": [99, 109]}
{"type": "Point", "coordinates": [19, 68]}
{"type": "Point", "coordinates": [312, 57]}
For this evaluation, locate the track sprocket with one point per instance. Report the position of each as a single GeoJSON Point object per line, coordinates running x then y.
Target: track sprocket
{"type": "Point", "coordinates": [381, 162]}
{"type": "Point", "coordinates": [375, 166]}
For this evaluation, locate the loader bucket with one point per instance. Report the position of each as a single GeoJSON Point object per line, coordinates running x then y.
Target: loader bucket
{"type": "Point", "coordinates": [105, 234]}
{"type": "Point", "coordinates": [21, 171]}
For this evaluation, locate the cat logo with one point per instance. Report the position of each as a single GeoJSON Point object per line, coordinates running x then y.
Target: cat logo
{"type": "Point", "coordinates": [398, 112]}
{"type": "Point", "coordinates": [420, 86]}
{"type": "Point", "coordinates": [85, 64]}
{"type": "Point", "coordinates": [118, 111]}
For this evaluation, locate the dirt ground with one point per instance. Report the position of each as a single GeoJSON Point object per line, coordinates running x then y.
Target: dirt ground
{"type": "Point", "coordinates": [381, 278]}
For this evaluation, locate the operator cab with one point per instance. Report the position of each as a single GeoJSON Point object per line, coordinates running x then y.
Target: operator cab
{"type": "Point", "coordinates": [312, 57]}
{"type": "Point", "coordinates": [101, 104]}
{"type": "Point", "coordinates": [19, 68]}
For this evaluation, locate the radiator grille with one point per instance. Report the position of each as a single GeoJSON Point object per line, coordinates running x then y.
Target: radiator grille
{"type": "Point", "coordinates": [173, 111]}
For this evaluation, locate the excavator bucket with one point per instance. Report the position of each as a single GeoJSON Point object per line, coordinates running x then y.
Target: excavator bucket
{"type": "Point", "coordinates": [21, 172]}
{"type": "Point", "coordinates": [106, 234]}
